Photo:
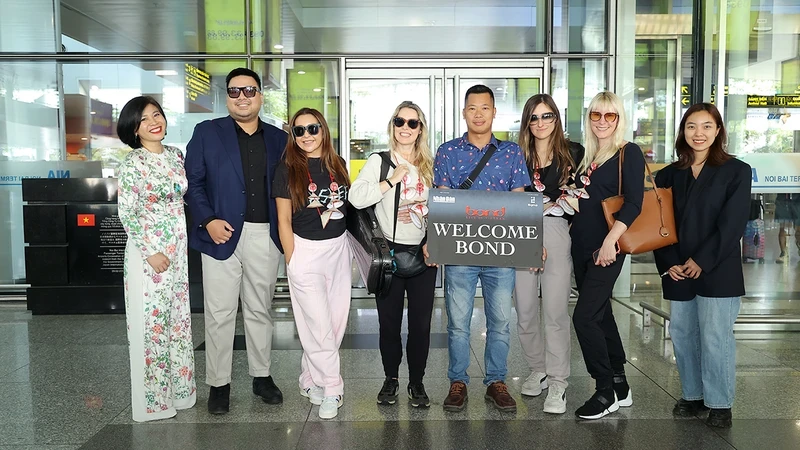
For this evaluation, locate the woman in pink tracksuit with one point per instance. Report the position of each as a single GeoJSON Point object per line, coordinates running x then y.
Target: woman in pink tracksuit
{"type": "Point", "coordinates": [310, 188]}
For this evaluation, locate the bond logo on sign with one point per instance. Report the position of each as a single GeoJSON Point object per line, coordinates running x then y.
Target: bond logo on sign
{"type": "Point", "coordinates": [485, 228]}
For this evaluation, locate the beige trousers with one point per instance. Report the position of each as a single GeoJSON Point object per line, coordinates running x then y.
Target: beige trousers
{"type": "Point", "coordinates": [547, 352]}
{"type": "Point", "coordinates": [250, 274]}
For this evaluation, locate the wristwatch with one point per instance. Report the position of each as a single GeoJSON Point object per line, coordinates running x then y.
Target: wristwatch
{"type": "Point", "coordinates": [389, 183]}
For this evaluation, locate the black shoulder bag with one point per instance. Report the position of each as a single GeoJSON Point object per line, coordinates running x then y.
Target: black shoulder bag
{"type": "Point", "coordinates": [363, 226]}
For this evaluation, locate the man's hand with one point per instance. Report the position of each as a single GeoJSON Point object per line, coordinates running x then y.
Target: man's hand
{"type": "Point", "coordinates": [544, 258]}
{"type": "Point", "coordinates": [220, 231]}
{"type": "Point", "coordinates": [426, 255]}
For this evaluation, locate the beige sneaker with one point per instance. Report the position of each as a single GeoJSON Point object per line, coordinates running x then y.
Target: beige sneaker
{"type": "Point", "coordinates": [556, 401]}
{"type": "Point", "coordinates": [534, 384]}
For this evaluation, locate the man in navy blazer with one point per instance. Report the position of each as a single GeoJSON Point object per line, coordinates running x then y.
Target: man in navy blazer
{"type": "Point", "coordinates": [230, 164]}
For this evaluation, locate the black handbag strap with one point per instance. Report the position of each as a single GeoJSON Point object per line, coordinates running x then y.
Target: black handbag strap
{"type": "Point", "coordinates": [466, 184]}
{"type": "Point", "coordinates": [386, 162]}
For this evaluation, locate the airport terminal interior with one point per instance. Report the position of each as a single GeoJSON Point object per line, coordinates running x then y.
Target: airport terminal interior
{"type": "Point", "coordinates": [68, 66]}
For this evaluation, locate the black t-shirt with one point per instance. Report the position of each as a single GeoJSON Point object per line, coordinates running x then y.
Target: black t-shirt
{"type": "Point", "coordinates": [323, 205]}
{"type": "Point", "coordinates": [549, 176]}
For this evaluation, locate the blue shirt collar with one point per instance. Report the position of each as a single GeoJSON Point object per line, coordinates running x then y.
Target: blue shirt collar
{"type": "Point", "coordinates": [463, 142]}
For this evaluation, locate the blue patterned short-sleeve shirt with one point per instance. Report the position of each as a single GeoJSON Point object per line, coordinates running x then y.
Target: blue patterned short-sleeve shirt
{"type": "Point", "coordinates": [506, 169]}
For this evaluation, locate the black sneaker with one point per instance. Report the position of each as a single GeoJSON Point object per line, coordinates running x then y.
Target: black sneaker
{"type": "Point", "coordinates": [600, 405]}
{"type": "Point", "coordinates": [688, 408]}
{"type": "Point", "coordinates": [388, 393]}
{"type": "Point", "coordinates": [265, 388]}
{"type": "Point", "coordinates": [719, 418]}
{"type": "Point", "coordinates": [623, 390]}
{"type": "Point", "coordinates": [219, 399]}
{"type": "Point", "coordinates": [417, 395]}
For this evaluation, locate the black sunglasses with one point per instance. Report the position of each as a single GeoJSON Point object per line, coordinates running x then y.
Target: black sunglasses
{"type": "Point", "coordinates": [300, 131]}
{"type": "Point", "coordinates": [546, 117]}
{"type": "Point", "coordinates": [249, 91]}
{"type": "Point", "coordinates": [412, 123]}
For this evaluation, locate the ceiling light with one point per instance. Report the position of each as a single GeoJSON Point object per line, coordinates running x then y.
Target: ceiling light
{"type": "Point", "coordinates": [301, 72]}
{"type": "Point", "coordinates": [499, 89]}
{"type": "Point", "coordinates": [278, 47]}
{"type": "Point", "coordinates": [93, 113]}
{"type": "Point", "coordinates": [84, 139]}
{"type": "Point", "coordinates": [317, 89]}
{"type": "Point", "coordinates": [641, 89]}
{"type": "Point", "coordinates": [166, 73]}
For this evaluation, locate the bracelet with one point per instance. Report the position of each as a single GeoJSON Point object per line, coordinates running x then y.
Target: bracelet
{"type": "Point", "coordinates": [389, 183]}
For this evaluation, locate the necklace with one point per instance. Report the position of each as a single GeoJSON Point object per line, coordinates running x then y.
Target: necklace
{"type": "Point", "coordinates": [334, 202]}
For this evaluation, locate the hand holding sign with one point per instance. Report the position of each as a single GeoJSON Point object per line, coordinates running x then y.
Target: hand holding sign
{"type": "Point", "coordinates": [485, 228]}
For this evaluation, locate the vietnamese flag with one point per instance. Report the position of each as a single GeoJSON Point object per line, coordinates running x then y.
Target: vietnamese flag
{"type": "Point", "coordinates": [85, 220]}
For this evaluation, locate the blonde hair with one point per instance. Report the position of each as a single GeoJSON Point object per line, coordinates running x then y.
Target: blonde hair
{"type": "Point", "coordinates": [423, 157]}
{"type": "Point", "coordinates": [594, 152]}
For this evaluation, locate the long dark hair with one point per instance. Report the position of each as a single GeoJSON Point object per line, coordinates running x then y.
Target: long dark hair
{"type": "Point", "coordinates": [559, 144]}
{"type": "Point", "coordinates": [297, 161]}
{"type": "Point", "coordinates": [716, 153]}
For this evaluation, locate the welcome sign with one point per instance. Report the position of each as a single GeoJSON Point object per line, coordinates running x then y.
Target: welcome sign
{"type": "Point", "coordinates": [485, 228]}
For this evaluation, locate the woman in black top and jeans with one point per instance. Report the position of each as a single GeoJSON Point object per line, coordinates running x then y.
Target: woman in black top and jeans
{"type": "Point", "coordinates": [594, 250]}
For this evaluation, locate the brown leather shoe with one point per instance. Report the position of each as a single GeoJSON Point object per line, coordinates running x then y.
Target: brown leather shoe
{"type": "Point", "coordinates": [497, 392]}
{"type": "Point", "coordinates": [457, 398]}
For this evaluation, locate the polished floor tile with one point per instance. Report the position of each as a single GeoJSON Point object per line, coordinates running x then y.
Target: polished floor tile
{"type": "Point", "coordinates": [65, 382]}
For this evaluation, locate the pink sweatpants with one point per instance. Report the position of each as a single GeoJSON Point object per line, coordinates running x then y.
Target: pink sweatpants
{"type": "Point", "coordinates": [319, 283]}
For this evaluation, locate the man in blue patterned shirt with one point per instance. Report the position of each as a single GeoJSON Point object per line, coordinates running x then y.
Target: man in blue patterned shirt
{"type": "Point", "coordinates": [505, 171]}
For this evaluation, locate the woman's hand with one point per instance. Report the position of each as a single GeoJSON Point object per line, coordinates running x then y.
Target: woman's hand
{"type": "Point", "coordinates": [607, 254]}
{"type": "Point", "coordinates": [691, 269]}
{"type": "Point", "coordinates": [159, 262]}
{"type": "Point", "coordinates": [676, 273]}
{"type": "Point", "coordinates": [404, 215]}
{"type": "Point", "coordinates": [400, 172]}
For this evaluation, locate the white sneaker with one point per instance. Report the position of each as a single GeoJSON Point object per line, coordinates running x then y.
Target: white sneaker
{"type": "Point", "coordinates": [556, 401]}
{"type": "Point", "coordinates": [534, 384]}
{"type": "Point", "coordinates": [330, 406]}
{"type": "Point", "coordinates": [314, 394]}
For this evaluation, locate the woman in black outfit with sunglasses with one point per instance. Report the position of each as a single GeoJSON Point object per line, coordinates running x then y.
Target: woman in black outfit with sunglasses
{"type": "Point", "coordinates": [413, 176]}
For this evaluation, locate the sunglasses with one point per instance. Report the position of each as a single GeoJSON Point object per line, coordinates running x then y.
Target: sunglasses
{"type": "Point", "coordinates": [545, 118]}
{"type": "Point", "coordinates": [412, 123]}
{"type": "Point", "coordinates": [595, 116]}
{"type": "Point", "coordinates": [300, 131]}
{"type": "Point", "coordinates": [249, 91]}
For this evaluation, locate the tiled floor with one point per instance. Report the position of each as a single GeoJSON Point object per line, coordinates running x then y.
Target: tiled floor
{"type": "Point", "coordinates": [64, 382]}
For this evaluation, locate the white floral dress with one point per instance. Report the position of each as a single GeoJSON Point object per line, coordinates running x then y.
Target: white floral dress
{"type": "Point", "coordinates": [151, 189]}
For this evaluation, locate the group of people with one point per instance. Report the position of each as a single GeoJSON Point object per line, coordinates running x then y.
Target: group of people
{"type": "Point", "coordinates": [255, 193]}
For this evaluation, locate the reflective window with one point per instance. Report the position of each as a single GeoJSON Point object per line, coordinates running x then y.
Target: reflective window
{"type": "Point", "coordinates": [580, 26]}
{"type": "Point", "coordinates": [574, 82]}
{"type": "Point", "coordinates": [27, 26]}
{"type": "Point", "coordinates": [414, 26]}
{"type": "Point", "coordinates": [177, 26]}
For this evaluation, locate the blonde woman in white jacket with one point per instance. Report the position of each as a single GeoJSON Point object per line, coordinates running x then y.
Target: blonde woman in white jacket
{"type": "Point", "coordinates": [413, 176]}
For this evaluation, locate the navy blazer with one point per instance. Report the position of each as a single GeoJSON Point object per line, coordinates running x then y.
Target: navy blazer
{"type": "Point", "coordinates": [711, 216]}
{"type": "Point", "coordinates": [216, 182]}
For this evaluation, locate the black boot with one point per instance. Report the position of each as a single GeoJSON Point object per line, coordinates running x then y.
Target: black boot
{"type": "Point", "coordinates": [719, 418]}
{"type": "Point", "coordinates": [622, 389]}
{"type": "Point", "coordinates": [265, 388]}
{"type": "Point", "coordinates": [219, 399]}
{"type": "Point", "coordinates": [688, 408]}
